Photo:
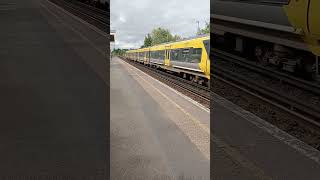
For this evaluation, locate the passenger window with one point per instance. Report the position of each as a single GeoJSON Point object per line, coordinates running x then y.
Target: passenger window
{"type": "Point", "coordinates": [190, 55]}
{"type": "Point", "coordinates": [154, 56]}
{"type": "Point", "coordinates": [195, 55]}
{"type": "Point", "coordinates": [162, 55]}
{"type": "Point", "coordinates": [174, 55]}
{"type": "Point", "coordinates": [185, 55]}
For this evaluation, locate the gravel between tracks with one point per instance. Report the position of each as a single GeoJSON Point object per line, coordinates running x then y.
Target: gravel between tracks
{"type": "Point", "coordinates": [289, 90]}
{"type": "Point", "coordinates": [273, 115]}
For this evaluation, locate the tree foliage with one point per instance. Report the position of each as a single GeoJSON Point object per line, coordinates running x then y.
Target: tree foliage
{"type": "Point", "coordinates": [159, 35]}
{"type": "Point", "coordinates": [119, 52]}
{"type": "Point", "coordinates": [176, 38]}
{"type": "Point", "coordinates": [205, 30]}
{"type": "Point", "coordinates": [147, 41]}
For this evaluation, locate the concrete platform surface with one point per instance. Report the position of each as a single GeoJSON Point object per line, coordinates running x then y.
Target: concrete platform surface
{"type": "Point", "coordinates": [53, 84]}
{"type": "Point", "coordinates": [261, 148]}
{"type": "Point", "coordinates": [156, 133]}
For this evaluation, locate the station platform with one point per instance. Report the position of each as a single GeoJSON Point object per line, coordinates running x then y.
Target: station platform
{"type": "Point", "coordinates": [53, 84]}
{"type": "Point", "coordinates": [261, 149]}
{"type": "Point", "coordinates": [147, 139]}
{"type": "Point", "coordinates": [156, 132]}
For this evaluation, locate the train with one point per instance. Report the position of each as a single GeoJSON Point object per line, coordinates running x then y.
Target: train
{"type": "Point", "coordinates": [281, 33]}
{"type": "Point", "coordinates": [189, 58]}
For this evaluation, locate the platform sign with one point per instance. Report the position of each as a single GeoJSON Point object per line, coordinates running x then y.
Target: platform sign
{"type": "Point", "coordinates": [112, 35]}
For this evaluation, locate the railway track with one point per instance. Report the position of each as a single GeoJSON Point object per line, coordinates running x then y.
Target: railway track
{"type": "Point", "coordinates": [197, 92]}
{"type": "Point", "coordinates": [288, 93]}
{"type": "Point", "coordinates": [92, 15]}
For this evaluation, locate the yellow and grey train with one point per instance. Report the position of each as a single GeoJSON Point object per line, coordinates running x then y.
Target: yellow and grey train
{"type": "Point", "coordinates": [281, 32]}
{"type": "Point", "coordinates": [189, 58]}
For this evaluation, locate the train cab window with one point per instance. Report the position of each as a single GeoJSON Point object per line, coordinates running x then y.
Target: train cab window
{"type": "Point", "coordinates": [207, 46]}
{"type": "Point", "coordinates": [195, 55]}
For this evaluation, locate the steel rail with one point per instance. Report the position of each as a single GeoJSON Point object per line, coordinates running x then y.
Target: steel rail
{"type": "Point", "coordinates": [191, 87]}
{"type": "Point", "coordinates": [298, 108]}
{"type": "Point", "coordinates": [86, 13]}
{"type": "Point", "coordinates": [282, 77]}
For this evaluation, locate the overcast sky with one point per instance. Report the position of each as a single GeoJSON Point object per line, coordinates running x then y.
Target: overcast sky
{"type": "Point", "coordinates": [133, 19]}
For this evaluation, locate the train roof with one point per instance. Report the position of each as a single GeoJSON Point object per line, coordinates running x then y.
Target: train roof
{"type": "Point", "coordinates": [186, 39]}
{"type": "Point", "coordinates": [205, 36]}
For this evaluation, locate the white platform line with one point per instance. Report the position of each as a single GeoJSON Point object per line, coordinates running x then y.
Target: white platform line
{"type": "Point", "coordinates": [279, 134]}
{"type": "Point", "coordinates": [175, 91]}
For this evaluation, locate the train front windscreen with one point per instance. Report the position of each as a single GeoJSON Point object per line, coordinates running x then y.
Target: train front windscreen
{"type": "Point", "coordinates": [207, 46]}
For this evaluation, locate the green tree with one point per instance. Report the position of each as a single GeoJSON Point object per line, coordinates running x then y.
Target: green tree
{"type": "Point", "coordinates": [147, 41]}
{"type": "Point", "coordinates": [205, 30]}
{"type": "Point", "coordinates": [160, 35]}
{"type": "Point", "coordinates": [119, 52]}
{"type": "Point", "coordinates": [176, 38]}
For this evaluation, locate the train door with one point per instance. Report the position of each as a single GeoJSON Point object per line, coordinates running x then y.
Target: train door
{"type": "Point", "coordinates": [149, 56]}
{"type": "Point", "coordinates": [313, 17]}
{"type": "Point", "coordinates": [137, 56]}
{"type": "Point", "coordinates": [167, 56]}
